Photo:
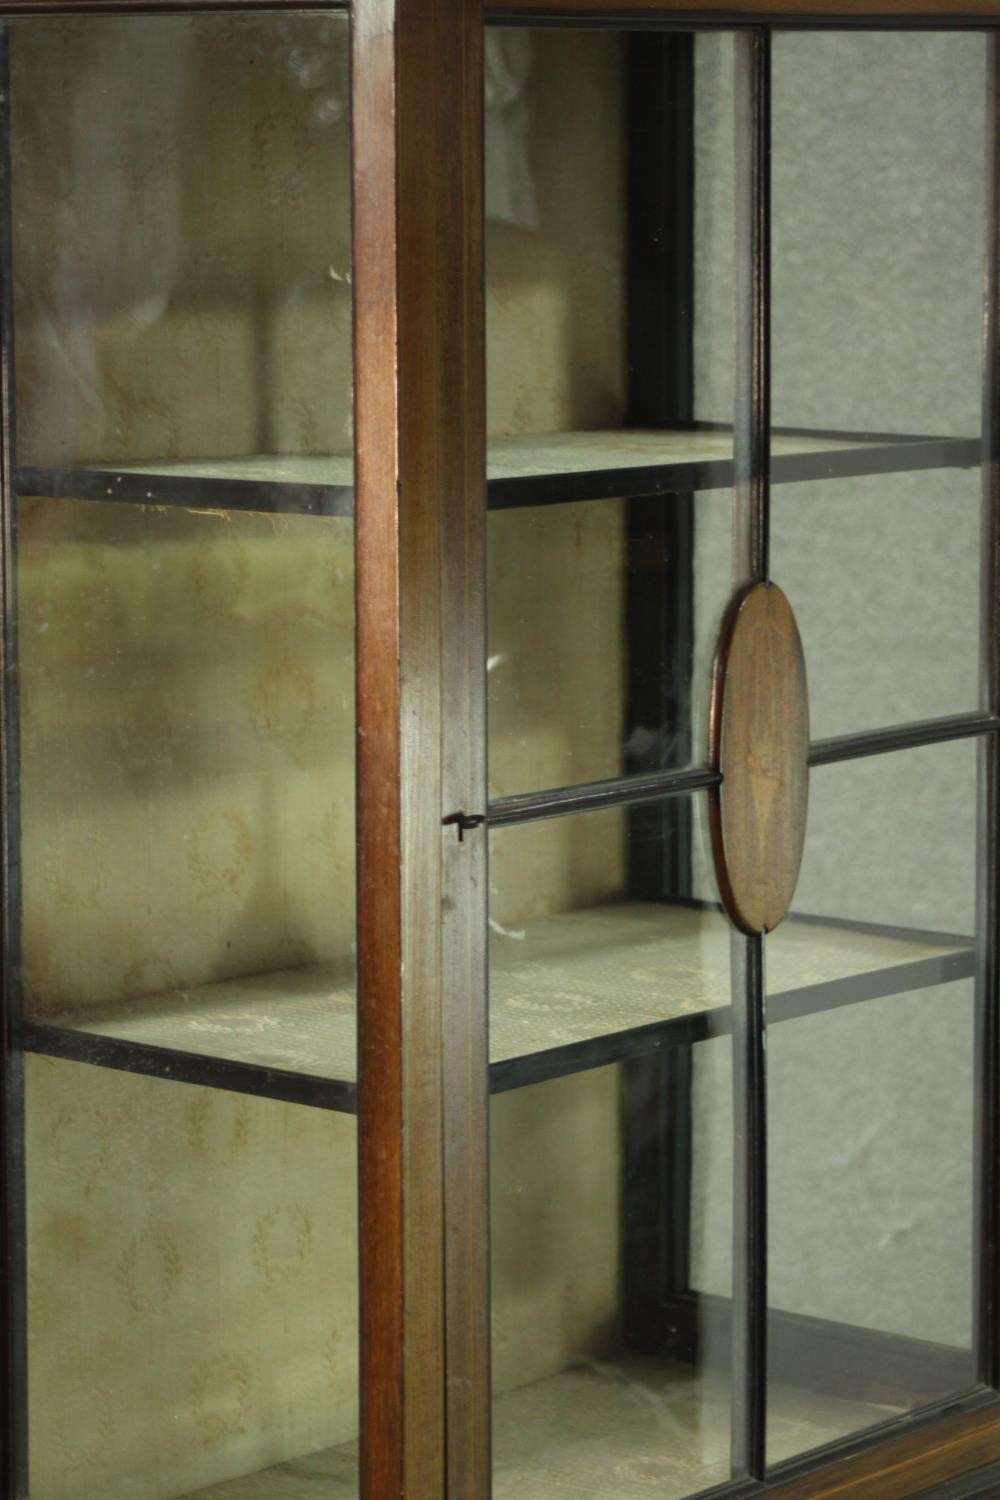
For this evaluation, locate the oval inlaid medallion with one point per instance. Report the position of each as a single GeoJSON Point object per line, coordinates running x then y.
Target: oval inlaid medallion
{"type": "Point", "coordinates": [759, 741]}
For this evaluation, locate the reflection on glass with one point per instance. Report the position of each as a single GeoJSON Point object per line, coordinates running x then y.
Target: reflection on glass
{"type": "Point", "coordinates": [609, 1373]}
{"type": "Point", "coordinates": [181, 214]}
{"type": "Point", "coordinates": [586, 679]}
{"type": "Point", "coordinates": [187, 784]}
{"type": "Point", "coordinates": [871, 1103]}
{"type": "Point", "coordinates": [595, 600]}
{"type": "Point", "coordinates": [182, 239]}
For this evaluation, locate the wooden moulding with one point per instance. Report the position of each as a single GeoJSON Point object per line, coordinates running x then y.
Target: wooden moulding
{"type": "Point", "coordinates": [904, 1466]}
{"type": "Point", "coordinates": [862, 13]}
{"type": "Point", "coordinates": [420, 506]}
{"type": "Point", "coordinates": [759, 743]}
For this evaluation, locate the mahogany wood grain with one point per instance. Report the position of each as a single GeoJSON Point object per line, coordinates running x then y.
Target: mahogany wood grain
{"type": "Point", "coordinates": [759, 742]}
{"type": "Point", "coordinates": [420, 507]}
{"type": "Point", "coordinates": [861, 12]}
{"type": "Point", "coordinates": [160, 7]}
{"type": "Point", "coordinates": [904, 1466]}
{"type": "Point", "coordinates": [380, 1123]}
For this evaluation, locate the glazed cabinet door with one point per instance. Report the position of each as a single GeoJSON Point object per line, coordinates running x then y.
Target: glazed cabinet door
{"type": "Point", "coordinates": [742, 715]}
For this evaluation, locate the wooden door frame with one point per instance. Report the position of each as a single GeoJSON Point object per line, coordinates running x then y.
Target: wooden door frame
{"type": "Point", "coordinates": [421, 463]}
{"type": "Point", "coordinates": [420, 487]}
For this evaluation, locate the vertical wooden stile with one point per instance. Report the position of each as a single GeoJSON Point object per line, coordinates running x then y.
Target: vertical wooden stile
{"type": "Point", "coordinates": [420, 518]}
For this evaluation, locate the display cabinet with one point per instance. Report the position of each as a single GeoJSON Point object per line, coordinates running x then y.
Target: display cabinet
{"type": "Point", "coordinates": [501, 634]}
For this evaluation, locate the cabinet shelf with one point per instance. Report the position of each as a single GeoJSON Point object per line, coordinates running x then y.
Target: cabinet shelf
{"type": "Point", "coordinates": [575, 991]}
{"type": "Point", "coordinates": [544, 469]}
{"type": "Point", "coordinates": [596, 1431]}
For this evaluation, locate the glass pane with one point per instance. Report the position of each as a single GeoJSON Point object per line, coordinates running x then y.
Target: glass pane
{"type": "Point", "coordinates": [878, 168]}
{"type": "Point", "coordinates": [192, 1290]}
{"type": "Point", "coordinates": [181, 192]}
{"type": "Point", "coordinates": [182, 239]}
{"type": "Point", "coordinates": [610, 1373]}
{"type": "Point", "coordinates": [870, 1143]}
{"type": "Point", "coordinates": [187, 783]}
{"type": "Point", "coordinates": [596, 601]}
{"type": "Point", "coordinates": [919, 643]}
{"type": "Point", "coordinates": [596, 668]}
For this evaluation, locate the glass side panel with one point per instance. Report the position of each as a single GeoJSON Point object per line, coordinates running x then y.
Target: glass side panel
{"type": "Point", "coordinates": [187, 292]}
{"type": "Point", "coordinates": [181, 195]}
{"type": "Point", "coordinates": [187, 782]}
{"type": "Point", "coordinates": [192, 1291]}
{"type": "Point", "coordinates": [609, 1377]}
{"type": "Point", "coordinates": [596, 599]}
{"type": "Point", "coordinates": [870, 1144]}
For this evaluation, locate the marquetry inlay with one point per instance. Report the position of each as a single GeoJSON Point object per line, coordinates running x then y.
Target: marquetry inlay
{"type": "Point", "coordinates": [759, 741]}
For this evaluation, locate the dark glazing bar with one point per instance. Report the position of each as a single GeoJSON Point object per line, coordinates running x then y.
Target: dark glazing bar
{"type": "Point", "coordinates": [987, 1192]}
{"type": "Point", "coordinates": [751, 447]}
{"type": "Point", "coordinates": [902, 737]}
{"type": "Point", "coordinates": [749, 1208]}
{"type": "Point", "coordinates": [589, 796]}
{"type": "Point", "coordinates": [623, 791]}
{"type": "Point", "coordinates": [13, 1371]}
{"type": "Point", "coordinates": [752, 414]}
{"type": "Point", "coordinates": [626, 791]}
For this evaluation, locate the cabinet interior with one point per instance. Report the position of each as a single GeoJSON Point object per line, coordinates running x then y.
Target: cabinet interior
{"type": "Point", "coordinates": [185, 629]}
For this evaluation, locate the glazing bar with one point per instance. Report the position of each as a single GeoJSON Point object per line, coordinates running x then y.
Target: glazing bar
{"type": "Point", "coordinates": [751, 448]}
{"type": "Point", "coordinates": [13, 1361]}
{"type": "Point", "coordinates": [987, 1199]}
{"type": "Point", "coordinates": [902, 737]}
{"type": "Point", "coordinates": [589, 796]}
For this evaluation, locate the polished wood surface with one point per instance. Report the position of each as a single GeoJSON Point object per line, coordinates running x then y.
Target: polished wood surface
{"type": "Point", "coordinates": [907, 1465]}
{"type": "Point", "coordinates": [862, 12]}
{"type": "Point", "coordinates": [759, 741]}
{"type": "Point", "coordinates": [381, 1116]}
{"type": "Point", "coordinates": [420, 506]}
